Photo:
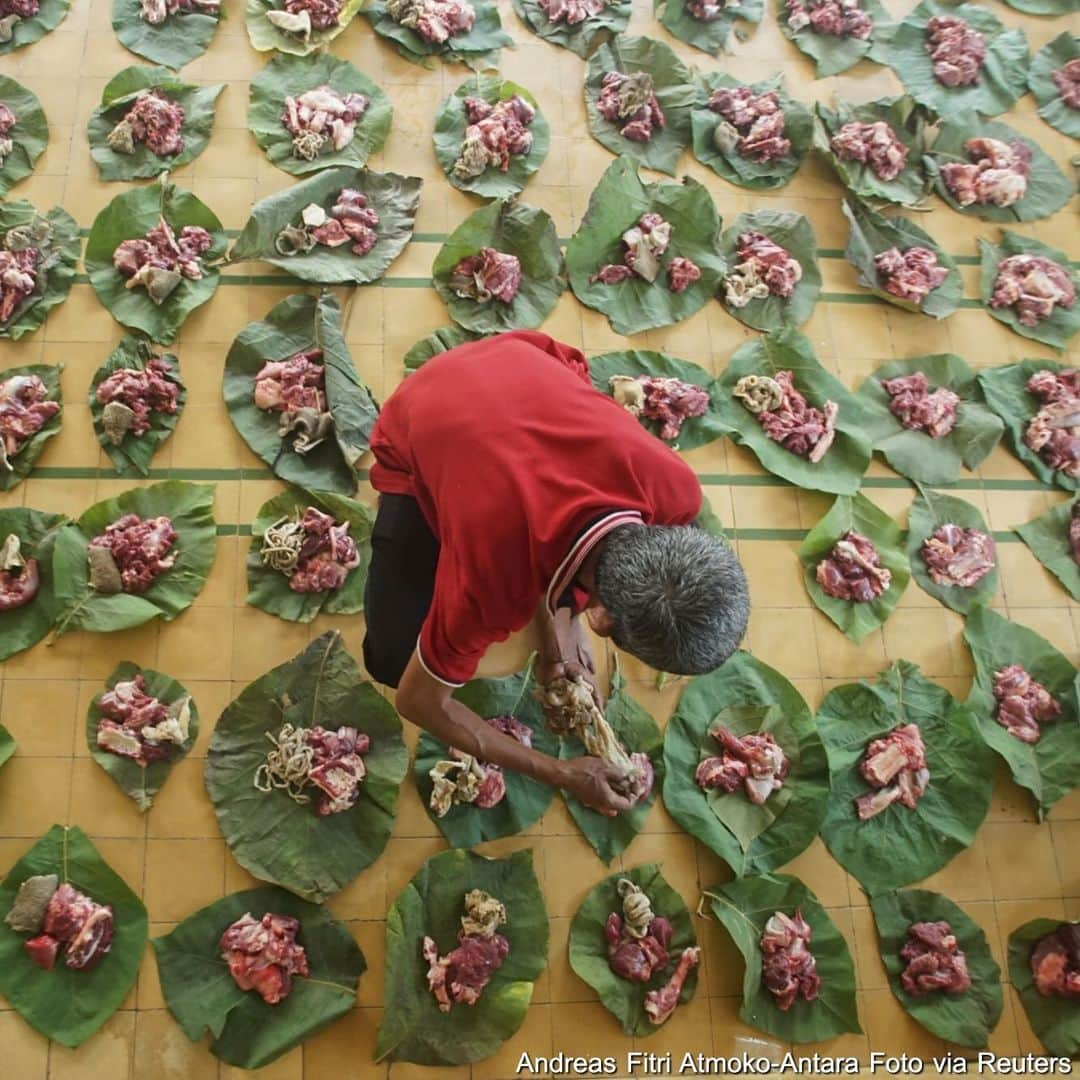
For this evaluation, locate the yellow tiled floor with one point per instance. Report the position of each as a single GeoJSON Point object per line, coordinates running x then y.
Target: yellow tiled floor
{"type": "Point", "coordinates": [174, 856]}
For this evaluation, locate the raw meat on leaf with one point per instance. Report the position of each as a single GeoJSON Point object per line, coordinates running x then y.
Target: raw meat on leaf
{"type": "Point", "coordinates": [874, 144]}
{"type": "Point", "coordinates": [136, 725]}
{"type": "Point", "coordinates": [461, 976]}
{"type": "Point", "coordinates": [918, 408]}
{"type": "Point", "coordinates": [934, 961]}
{"type": "Point", "coordinates": [1033, 285]}
{"type": "Point", "coordinates": [25, 408]}
{"type": "Point", "coordinates": [763, 269]}
{"type": "Point", "coordinates": [630, 102]}
{"type": "Point", "coordinates": [788, 967]}
{"type": "Point", "coordinates": [487, 275]}
{"type": "Point", "coordinates": [263, 954]}
{"type": "Point", "coordinates": [751, 123]}
{"type": "Point", "coordinates": [957, 50]}
{"type": "Point", "coordinates": [130, 396]}
{"type": "Point", "coordinates": [131, 554]}
{"type": "Point", "coordinates": [63, 921]}
{"type": "Point", "coordinates": [154, 120]}
{"type": "Point", "coordinates": [837, 18]}
{"type": "Point", "coordinates": [895, 766]}
{"type": "Point", "coordinates": [296, 388]}
{"type": "Point", "coordinates": [1055, 962]}
{"type": "Point", "coordinates": [754, 762]}
{"type": "Point", "coordinates": [20, 578]}
{"type": "Point", "coordinates": [996, 173]}
{"type": "Point", "coordinates": [785, 415]}
{"type": "Point", "coordinates": [494, 134]}
{"type": "Point", "coordinates": [1023, 704]}
{"type": "Point", "coordinates": [322, 120]}
{"type": "Point", "coordinates": [1067, 81]}
{"type": "Point", "coordinates": [852, 570]}
{"type": "Point", "coordinates": [911, 274]}
{"type": "Point", "coordinates": [436, 21]}
{"type": "Point", "coordinates": [958, 557]}
{"type": "Point", "coordinates": [312, 550]}
{"type": "Point", "coordinates": [1054, 431]}
{"type": "Point", "coordinates": [668, 402]}
{"type": "Point", "coordinates": [162, 259]}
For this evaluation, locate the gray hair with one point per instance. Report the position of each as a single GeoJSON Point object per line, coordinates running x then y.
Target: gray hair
{"type": "Point", "coordinates": [677, 596]}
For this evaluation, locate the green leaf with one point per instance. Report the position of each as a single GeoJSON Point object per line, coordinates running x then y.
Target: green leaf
{"type": "Point", "coordinates": [635, 728]}
{"type": "Point", "coordinates": [526, 799]}
{"type": "Point", "coordinates": [132, 457]}
{"type": "Point", "coordinates": [1007, 394]}
{"type": "Point", "coordinates": [744, 906]}
{"type": "Point", "coordinates": [50, 15]}
{"type": "Point", "coordinates": [581, 37]}
{"type": "Point", "coordinates": [834, 54]}
{"type": "Point", "coordinates": [58, 264]}
{"type": "Point", "coordinates": [1048, 538]}
{"type": "Point", "coordinates": [1053, 56]}
{"type": "Point", "coordinates": [964, 1019]}
{"type": "Point", "coordinates": [907, 121]}
{"type": "Point", "coordinates": [915, 454]}
{"type": "Point", "coordinates": [264, 36]}
{"type": "Point", "coordinates": [23, 627]}
{"type": "Point", "coordinates": [731, 165]}
{"type": "Point", "coordinates": [22, 463]}
{"type": "Point", "coordinates": [80, 607]}
{"type": "Point", "coordinates": [841, 470]}
{"type": "Point", "coordinates": [871, 234]}
{"type": "Point", "coordinates": [625, 1000]}
{"type": "Point", "coordinates": [66, 1005]}
{"type": "Point", "coordinates": [269, 589]}
{"type": "Point", "coordinates": [291, 76]}
{"type": "Point", "coordinates": [131, 215]}
{"type": "Point", "coordinates": [1063, 322]}
{"type": "Point", "coordinates": [479, 48]}
{"type": "Point", "coordinates": [710, 37]}
{"type": "Point", "coordinates": [795, 234]}
{"type": "Point", "coordinates": [616, 204]}
{"type": "Point", "coordinates": [141, 782]}
{"type": "Point", "coordinates": [1053, 1019]}
{"type": "Point", "coordinates": [451, 123]}
{"type": "Point", "coordinates": [1050, 768]}
{"type": "Point", "coordinates": [203, 996]}
{"type": "Point", "coordinates": [1044, 7]}
{"type": "Point", "coordinates": [512, 228]}
{"type": "Point", "coordinates": [1048, 189]}
{"type": "Point", "coordinates": [743, 693]}
{"type": "Point", "coordinates": [181, 38]}
{"type": "Point", "coordinates": [431, 905]}
{"type": "Point", "coordinates": [929, 511]}
{"type": "Point", "coordinates": [696, 431]}
{"type": "Point", "coordinates": [674, 91]}
{"type": "Point", "coordinates": [442, 340]}
{"type": "Point", "coordinates": [1002, 77]}
{"type": "Point", "coordinates": [394, 196]}
{"type": "Point", "coordinates": [30, 133]}
{"type": "Point", "coordinates": [298, 323]}
{"type": "Point", "coordinates": [7, 745]}
{"type": "Point", "coordinates": [900, 846]}
{"type": "Point", "coordinates": [268, 834]}
{"type": "Point", "coordinates": [119, 95]}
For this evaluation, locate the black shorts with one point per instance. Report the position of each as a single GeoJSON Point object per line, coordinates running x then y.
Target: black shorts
{"type": "Point", "coordinates": [400, 585]}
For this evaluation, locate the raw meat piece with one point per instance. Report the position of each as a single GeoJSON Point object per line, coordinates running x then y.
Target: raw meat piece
{"type": "Point", "coordinates": [131, 396]}
{"type": "Point", "coordinates": [13, 11]}
{"type": "Point", "coordinates": [934, 961]}
{"type": "Point", "coordinates": [1074, 532]}
{"type": "Point", "coordinates": [25, 408]}
{"type": "Point", "coordinates": [705, 11]}
{"type": "Point", "coordinates": [637, 940]}
{"type": "Point", "coordinates": [321, 14]}
{"type": "Point", "coordinates": [351, 219]}
{"type": "Point", "coordinates": [788, 967]}
{"type": "Point", "coordinates": [27, 914]}
{"type": "Point", "coordinates": [960, 557]}
{"type": "Point", "coordinates": [7, 122]}
{"type": "Point", "coordinates": [296, 388]}
{"type": "Point", "coordinates": [154, 120]}
{"type": "Point", "coordinates": [785, 415]}
{"type": "Point", "coordinates": [644, 244]}
{"type": "Point", "coordinates": [1054, 431]}
{"type": "Point", "coordinates": [752, 123]}
{"type": "Point", "coordinates": [763, 269]}
{"type": "Point", "coordinates": [155, 12]}
{"type": "Point", "coordinates": [957, 50]}
{"type": "Point", "coordinates": [313, 551]}
{"type": "Point", "coordinates": [1055, 962]}
{"type": "Point", "coordinates": [630, 102]}
{"type": "Point", "coordinates": [853, 570]}
{"type": "Point", "coordinates": [19, 265]}
{"type": "Point", "coordinates": [138, 726]}
{"type": "Point", "coordinates": [19, 577]}
{"type": "Point", "coordinates": [660, 1004]}
{"type": "Point", "coordinates": [1023, 704]}
{"type": "Point", "coordinates": [263, 954]}
{"type": "Point", "coordinates": [876, 145]}
{"type": "Point", "coordinates": [487, 275]}
{"type": "Point", "coordinates": [322, 120]}
{"type": "Point", "coordinates": [1032, 284]}
{"type": "Point", "coordinates": [495, 133]}
{"type": "Point", "coordinates": [918, 408]}
{"type": "Point", "coordinates": [755, 762]}
{"type": "Point", "coordinates": [997, 174]}
{"type": "Point", "coordinates": [75, 923]}
{"type": "Point", "coordinates": [461, 975]}
{"type": "Point", "coordinates": [1067, 81]}
{"type": "Point", "coordinates": [435, 21]}
{"type": "Point", "coordinates": [572, 12]}
{"type": "Point", "coordinates": [839, 18]}
{"type": "Point", "coordinates": [139, 551]}
{"type": "Point", "coordinates": [895, 767]}
{"type": "Point", "coordinates": [670, 402]}
{"type": "Point", "coordinates": [911, 274]}
{"type": "Point", "coordinates": [682, 273]}
{"type": "Point", "coordinates": [162, 259]}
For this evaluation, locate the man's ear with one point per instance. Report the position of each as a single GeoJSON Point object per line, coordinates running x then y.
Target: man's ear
{"type": "Point", "coordinates": [599, 619]}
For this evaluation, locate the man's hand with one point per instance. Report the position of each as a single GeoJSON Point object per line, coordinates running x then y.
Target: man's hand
{"type": "Point", "coordinates": [565, 650]}
{"type": "Point", "coordinates": [589, 780]}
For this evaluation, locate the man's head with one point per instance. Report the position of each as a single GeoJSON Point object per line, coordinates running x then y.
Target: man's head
{"type": "Point", "coordinates": [672, 595]}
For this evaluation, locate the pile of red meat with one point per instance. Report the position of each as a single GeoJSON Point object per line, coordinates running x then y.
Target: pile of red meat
{"type": "Point", "coordinates": [918, 408]}
{"type": "Point", "coordinates": [337, 767]}
{"type": "Point", "coordinates": [644, 245]}
{"type": "Point", "coordinates": [995, 174]}
{"type": "Point", "coordinates": [494, 134]}
{"type": "Point", "coordinates": [19, 576]}
{"type": "Point", "coordinates": [1034, 285]}
{"type": "Point", "coordinates": [788, 967]}
{"type": "Point", "coordinates": [18, 278]}
{"type": "Point", "coordinates": [327, 554]}
{"type": "Point", "coordinates": [162, 259]}
{"type": "Point", "coordinates": [436, 21]}
{"type": "Point", "coordinates": [61, 919]}
{"type": "Point", "coordinates": [350, 220]}
{"type": "Point", "coordinates": [487, 275]}
{"type": "Point", "coordinates": [572, 12]}
{"type": "Point", "coordinates": [934, 961]}
{"type": "Point", "coordinates": [873, 144]}
{"type": "Point", "coordinates": [752, 123]}
{"type": "Point", "coordinates": [895, 767]}
{"type": "Point", "coordinates": [708, 10]}
{"type": "Point", "coordinates": [838, 18]}
{"type": "Point", "coordinates": [139, 552]}
{"type": "Point", "coordinates": [263, 954]}
{"type": "Point", "coordinates": [464, 779]}
{"type": "Point", "coordinates": [154, 120]}
{"type": "Point", "coordinates": [630, 102]}
{"type": "Point", "coordinates": [957, 50]}
{"type": "Point", "coordinates": [1067, 81]}
{"type": "Point", "coordinates": [911, 274]}
{"type": "Point", "coordinates": [295, 388]}
{"type": "Point", "coordinates": [763, 269]}
{"type": "Point", "coordinates": [852, 570]}
{"type": "Point", "coordinates": [787, 418]}
{"type": "Point", "coordinates": [1023, 703]}
{"type": "Point", "coordinates": [25, 408]}
{"type": "Point", "coordinates": [321, 14]}
{"type": "Point", "coordinates": [322, 119]}
{"type": "Point", "coordinates": [7, 122]}
{"type": "Point", "coordinates": [130, 397]}
{"type": "Point", "coordinates": [958, 557]}
{"type": "Point", "coordinates": [136, 725]}
{"type": "Point", "coordinates": [668, 402]}
{"type": "Point", "coordinates": [459, 978]}
{"type": "Point", "coordinates": [155, 12]}
{"type": "Point", "coordinates": [1054, 431]}
{"type": "Point", "coordinates": [13, 11]}
{"type": "Point", "coordinates": [756, 763]}
{"type": "Point", "coordinates": [1055, 962]}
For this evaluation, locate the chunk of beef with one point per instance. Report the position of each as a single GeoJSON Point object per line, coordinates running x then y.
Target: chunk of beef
{"type": "Point", "coordinates": [958, 557]}
{"type": "Point", "coordinates": [755, 762]}
{"type": "Point", "coordinates": [324, 552]}
{"type": "Point", "coordinates": [918, 408]}
{"type": "Point", "coordinates": [322, 120]}
{"type": "Point", "coordinates": [637, 959]}
{"type": "Point", "coordinates": [155, 12]}
{"type": "Point", "coordinates": [487, 275]}
{"type": "Point", "coordinates": [895, 767]}
{"type": "Point", "coordinates": [957, 50]}
{"type": "Point", "coordinates": [461, 976]}
{"type": "Point", "coordinates": [76, 924]}
{"type": "Point", "coordinates": [321, 14]}
{"type": "Point", "coordinates": [436, 21]}
{"type": "Point", "coordinates": [788, 967]}
{"type": "Point", "coordinates": [494, 136]}
{"type": "Point", "coordinates": [7, 122]}
{"type": "Point", "coordinates": [630, 102]}
{"type": "Point", "coordinates": [852, 570]}
{"type": "Point", "coordinates": [154, 120]}
{"type": "Point", "coordinates": [351, 220]}
{"type": "Point", "coordinates": [18, 280]}
{"type": "Point", "coordinates": [837, 18]}
{"type": "Point", "coordinates": [996, 173]}
{"type": "Point", "coordinates": [464, 779]}
{"type": "Point", "coordinates": [752, 123]}
{"type": "Point", "coordinates": [763, 269]}
{"type": "Point", "coordinates": [162, 259]}
{"type": "Point", "coordinates": [1067, 81]}
{"type": "Point", "coordinates": [1033, 285]}
{"type": "Point", "coordinates": [934, 961]}
{"type": "Point", "coordinates": [1054, 431]}
{"type": "Point", "coordinates": [263, 954]}
{"type": "Point", "coordinates": [134, 395]}
{"type": "Point", "coordinates": [1023, 704]}
{"type": "Point", "coordinates": [337, 767]}
{"type": "Point", "coordinates": [1055, 962]}
{"type": "Point", "coordinates": [911, 274]}
{"type": "Point", "coordinates": [572, 12]}
{"type": "Point", "coordinates": [786, 417]}
{"type": "Point", "coordinates": [25, 408]}
{"type": "Point", "coordinates": [136, 725]}
{"type": "Point", "coordinates": [876, 145]}
{"type": "Point", "coordinates": [660, 1004]}
{"type": "Point", "coordinates": [20, 577]}
{"type": "Point", "coordinates": [682, 273]}
{"type": "Point", "coordinates": [644, 244]}
{"type": "Point", "coordinates": [668, 402]}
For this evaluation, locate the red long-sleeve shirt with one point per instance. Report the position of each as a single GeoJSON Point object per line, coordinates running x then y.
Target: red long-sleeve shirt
{"type": "Point", "coordinates": [519, 466]}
